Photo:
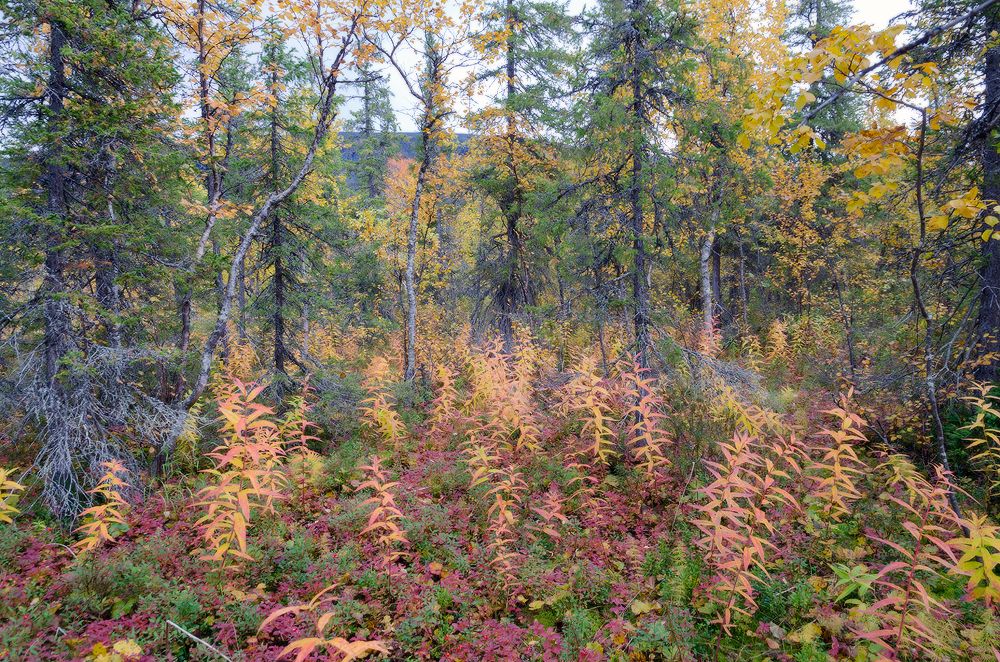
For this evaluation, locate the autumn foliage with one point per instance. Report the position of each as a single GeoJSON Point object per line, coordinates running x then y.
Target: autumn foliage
{"type": "Point", "coordinates": [659, 330]}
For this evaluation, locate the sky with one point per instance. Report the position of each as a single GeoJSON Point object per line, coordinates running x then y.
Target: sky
{"type": "Point", "coordinates": [876, 12]}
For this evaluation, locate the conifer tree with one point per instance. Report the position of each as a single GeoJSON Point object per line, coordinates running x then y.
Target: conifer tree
{"type": "Point", "coordinates": [87, 89]}
{"type": "Point", "coordinates": [526, 58]}
{"type": "Point", "coordinates": [636, 70]}
{"type": "Point", "coordinates": [373, 127]}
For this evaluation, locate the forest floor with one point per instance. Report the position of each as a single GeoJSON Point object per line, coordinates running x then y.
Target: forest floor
{"type": "Point", "coordinates": [710, 529]}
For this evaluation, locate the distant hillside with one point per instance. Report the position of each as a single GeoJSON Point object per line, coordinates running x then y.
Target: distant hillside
{"type": "Point", "coordinates": [408, 142]}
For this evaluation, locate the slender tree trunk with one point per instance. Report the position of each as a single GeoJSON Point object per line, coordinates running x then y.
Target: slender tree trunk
{"type": "Point", "coordinates": [56, 318]}
{"type": "Point", "coordinates": [410, 365]}
{"type": "Point", "coordinates": [241, 303]}
{"type": "Point", "coordinates": [848, 319]}
{"type": "Point", "coordinates": [705, 271]}
{"type": "Point", "coordinates": [61, 489]}
{"type": "Point", "coordinates": [277, 242]}
{"type": "Point", "coordinates": [514, 291]}
{"type": "Point", "coordinates": [988, 323]}
{"type": "Point", "coordinates": [213, 192]}
{"type": "Point", "coordinates": [306, 309]}
{"type": "Point", "coordinates": [722, 310]}
{"type": "Point", "coordinates": [279, 296]}
{"type": "Point", "coordinates": [930, 363]}
{"type": "Point", "coordinates": [744, 297]}
{"type": "Point", "coordinates": [640, 289]}
{"type": "Point", "coordinates": [510, 288]}
{"type": "Point", "coordinates": [108, 293]}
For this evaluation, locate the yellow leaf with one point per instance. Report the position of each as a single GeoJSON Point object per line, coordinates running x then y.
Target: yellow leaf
{"type": "Point", "coordinates": [805, 97]}
{"type": "Point", "coordinates": [806, 634]}
{"type": "Point", "coordinates": [127, 648]}
{"type": "Point", "coordinates": [639, 607]}
{"type": "Point", "coordinates": [937, 223]}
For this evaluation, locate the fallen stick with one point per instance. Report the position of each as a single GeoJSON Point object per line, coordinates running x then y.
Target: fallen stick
{"type": "Point", "coordinates": [200, 641]}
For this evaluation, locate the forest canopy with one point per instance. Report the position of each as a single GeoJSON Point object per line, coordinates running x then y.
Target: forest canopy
{"type": "Point", "coordinates": [670, 330]}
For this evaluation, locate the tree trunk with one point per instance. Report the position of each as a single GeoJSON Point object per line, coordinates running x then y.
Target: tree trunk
{"type": "Point", "coordinates": [988, 323]}
{"type": "Point", "coordinates": [56, 320]}
{"type": "Point", "coordinates": [707, 299]}
{"type": "Point", "coordinates": [722, 310]}
{"type": "Point", "coordinates": [304, 354]}
{"type": "Point", "coordinates": [241, 303]}
{"type": "Point", "coordinates": [277, 242]}
{"type": "Point", "coordinates": [62, 491]}
{"type": "Point", "coordinates": [410, 365]}
{"type": "Point", "coordinates": [279, 296]}
{"type": "Point", "coordinates": [930, 362]}
{"type": "Point", "coordinates": [509, 288]}
{"type": "Point", "coordinates": [213, 190]}
{"type": "Point", "coordinates": [848, 320]}
{"type": "Point", "coordinates": [744, 296]}
{"type": "Point", "coordinates": [274, 199]}
{"type": "Point", "coordinates": [108, 294]}
{"type": "Point", "coordinates": [513, 289]}
{"type": "Point", "coordinates": [640, 289]}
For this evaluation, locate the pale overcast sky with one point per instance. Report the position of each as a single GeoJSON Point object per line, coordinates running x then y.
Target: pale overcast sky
{"type": "Point", "coordinates": [875, 12]}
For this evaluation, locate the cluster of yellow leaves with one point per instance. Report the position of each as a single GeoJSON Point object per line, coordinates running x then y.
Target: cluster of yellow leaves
{"type": "Point", "coordinates": [980, 557]}
{"type": "Point", "coordinates": [9, 492]}
{"type": "Point", "coordinates": [211, 34]}
{"type": "Point", "coordinates": [728, 407]}
{"type": "Point", "coordinates": [186, 452]}
{"type": "Point", "coordinates": [777, 342]}
{"type": "Point", "coordinates": [124, 649]}
{"type": "Point", "coordinates": [800, 239]}
{"type": "Point", "coordinates": [846, 52]}
{"type": "Point", "coordinates": [100, 519]}
{"type": "Point", "coordinates": [878, 152]}
{"type": "Point", "coordinates": [327, 344]}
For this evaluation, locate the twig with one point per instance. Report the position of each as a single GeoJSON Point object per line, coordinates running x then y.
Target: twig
{"type": "Point", "coordinates": [200, 641]}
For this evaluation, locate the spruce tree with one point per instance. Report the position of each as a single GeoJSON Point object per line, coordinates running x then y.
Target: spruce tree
{"type": "Point", "coordinates": [372, 136]}
{"type": "Point", "coordinates": [88, 93]}
{"type": "Point", "coordinates": [527, 61]}
{"type": "Point", "coordinates": [635, 73]}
